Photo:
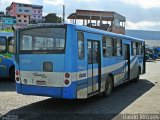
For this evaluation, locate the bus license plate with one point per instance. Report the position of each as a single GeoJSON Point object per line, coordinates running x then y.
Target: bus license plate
{"type": "Point", "coordinates": [41, 82]}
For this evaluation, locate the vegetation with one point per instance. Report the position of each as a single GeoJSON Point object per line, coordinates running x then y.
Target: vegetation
{"type": "Point", "coordinates": [52, 18]}
{"type": "Point", "coordinates": [7, 30]}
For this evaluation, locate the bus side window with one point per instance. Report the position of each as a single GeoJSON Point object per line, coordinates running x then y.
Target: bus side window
{"type": "Point", "coordinates": [119, 48]}
{"type": "Point", "coordinates": [3, 42]}
{"type": "Point", "coordinates": [134, 48]}
{"type": "Point", "coordinates": [104, 46]}
{"type": "Point", "coordinates": [10, 45]}
{"type": "Point", "coordinates": [108, 49]}
{"type": "Point", "coordinates": [80, 38]}
{"type": "Point", "coordinates": [137, 48]}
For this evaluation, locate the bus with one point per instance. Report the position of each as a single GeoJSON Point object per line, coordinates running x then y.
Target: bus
{"type": "Point", "coordinates": [156, 52]}
{"type": "Point", "coordinates": [7, 66]}
{"type": "Point", "coordinates": [75, 62]}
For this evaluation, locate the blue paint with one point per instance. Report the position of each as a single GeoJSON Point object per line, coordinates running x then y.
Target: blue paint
{"type": "Point", "coordinates": [69, 62]}
{"type": "Point", "coordinates": [39, 90]}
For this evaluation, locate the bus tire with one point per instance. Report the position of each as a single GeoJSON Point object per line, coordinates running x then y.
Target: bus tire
{"type": "Point", "coordinates": [138, 75]}
{"type": "Point", "coordinates": [108, 86]}
{"type": "Point", "coordinates": [12, 74]}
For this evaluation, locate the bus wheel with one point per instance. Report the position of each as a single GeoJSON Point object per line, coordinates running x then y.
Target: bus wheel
{"type": "Point", "coordinates": [108, 87]}
{"type": "Point", "coordinates": [12, 74]}
{"type": "Point", "coordinates": [138, 76]}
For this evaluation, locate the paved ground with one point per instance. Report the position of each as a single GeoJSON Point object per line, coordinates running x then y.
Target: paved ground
{"type": "Point", "coordinates": [138, 98]}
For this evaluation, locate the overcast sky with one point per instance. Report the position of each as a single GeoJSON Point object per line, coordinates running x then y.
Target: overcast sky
{"type": "Point", "coordinates": [140, 14]}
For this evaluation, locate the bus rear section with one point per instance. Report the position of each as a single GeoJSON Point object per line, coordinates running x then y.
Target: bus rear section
{"type": "Point", "coordinates": [42, 63]}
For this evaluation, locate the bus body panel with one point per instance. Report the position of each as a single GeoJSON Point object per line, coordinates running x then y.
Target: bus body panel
{"type": "Point", "coordinates": [5, 64]}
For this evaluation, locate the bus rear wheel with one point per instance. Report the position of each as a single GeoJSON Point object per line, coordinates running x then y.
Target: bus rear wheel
{"type": "Point", "coordinates": [108, 87]}
{"type": "Point", "coordinates": [138, 76]}
{"type": "Point", "coordinates": [12, 74]}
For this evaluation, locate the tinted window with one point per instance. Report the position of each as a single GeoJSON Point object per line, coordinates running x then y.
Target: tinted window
{"type": "Point", "coordinates": [107, 46]}
{"type": "Point", "coordinates": [10, 45]}
{"type": "Point", "coordinates": [3, 43]}
{"type": "Point", "coordinates": [42, 40]}
{"type": "Point", "coordinates": [80, 37]}
{"type": "Point", "coordinates": [137, 48]}
{"type": "Point", "coordinates": [117, 47]}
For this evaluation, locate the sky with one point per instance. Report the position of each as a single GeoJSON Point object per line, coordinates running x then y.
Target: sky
{"type": "Point", "coordinates": [140, 14]}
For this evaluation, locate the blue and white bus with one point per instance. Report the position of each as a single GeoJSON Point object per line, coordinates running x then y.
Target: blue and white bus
{"type": "Point", "coordinates": [75, 62]}
{"type": "Point", "coordinates": [7, 66]}
{"type": "Point", "coordinates": [156, 53]}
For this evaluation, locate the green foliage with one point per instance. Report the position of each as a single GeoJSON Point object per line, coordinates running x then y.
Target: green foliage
{"type": "Point", "coordinates": [52, 18]}
{"type": "Point", "coordinates": [7, 30]}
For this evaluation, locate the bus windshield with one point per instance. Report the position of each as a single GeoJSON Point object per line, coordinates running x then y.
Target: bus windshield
{"type": "Point", "coordinates": [42, 40]}
{"type": "Point", "coordinates": [3, 43]}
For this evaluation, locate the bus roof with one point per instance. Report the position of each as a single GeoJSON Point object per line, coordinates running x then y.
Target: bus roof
{"type": "Point", "coordinates": [84, 28]}
{"type": "Point", "coordinates": [93, 30]}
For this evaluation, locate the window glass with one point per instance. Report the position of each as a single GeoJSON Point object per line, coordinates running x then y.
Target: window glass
{"type": "Point", "coordinates": [137, 48]}
{"type": "Point", "coordinates": [107, 46]}
{"type": "Point", "coordinates": [43, 39]}
{"type": "Point", "coordinates": [134, 50]}
{"type": "Point", "coordinates": [26, 42]}
{"type": "Point", "coordinates": [10, 45]}
{"type": "Point", "coordinates": [3, 43]}
{"type": "Point", "coordinates": [95, 52]}
{"type": "Point", "coordinates": [104, 46]}
{"type": "Point", "coordinates": [80, 37]}
{"type": "Point", "coordinates": [89, 44]}
{"type": "Point", "coordinates": [118, 47]}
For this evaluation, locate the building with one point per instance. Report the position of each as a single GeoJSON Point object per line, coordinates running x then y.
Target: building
{"type": "Point", "coordinates": [25, 13]}
{"type": "Point", "coordinates": [36, 13]}
{"type": "Point", "coordinates": [152, 38]}
{"type": "Point", "coordinates": [7, 22]}
{"type": "Point", "coordinates": [7, 11]}
{"type": "Point", "coordinates": [1, 13]}
{"type": "Point", "coordinates": [105, 20]}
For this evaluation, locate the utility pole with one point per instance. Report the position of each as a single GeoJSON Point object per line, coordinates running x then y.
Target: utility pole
{"type": "Point", "coordinates": [63, 13]}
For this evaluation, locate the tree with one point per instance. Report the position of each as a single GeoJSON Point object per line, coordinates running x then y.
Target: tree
{"type": "Point", "coordinates": [52, 18]}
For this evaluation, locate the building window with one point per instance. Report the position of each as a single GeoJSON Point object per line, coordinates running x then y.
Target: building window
{"type": "Point", "coordinates": [25, 16]}
{"type": "Point", "coordinates": [20, 5]}
{"type": "Point", "coordinates": [19, 20]}
{"type": "Point", "coordinates": [14, 21]}
{"type": "Point", "coordinates": [25, 5]}
{"type": "Point", "coordinates": [20, 10]}
{"type": "Point", "coordinates": [34, 16]}
{"type": "Point", "coordinates": [25, 20]}
{"type": "Point", "coordinates": [80, 37]}
{"type": "Point", "coordinates": [38, 16]}
{"type": "Point", "coordinates": [26, 10]}
{"type": "Point", "coordinates": [39, 11]}
{"type": "Point", "coordinates": [18, 15]}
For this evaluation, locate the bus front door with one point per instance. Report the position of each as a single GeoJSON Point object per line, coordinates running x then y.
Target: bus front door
{"type": "Point", "coordinates": [93, 51]}
{"type": "Point", "coordinates": [126, 54]}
